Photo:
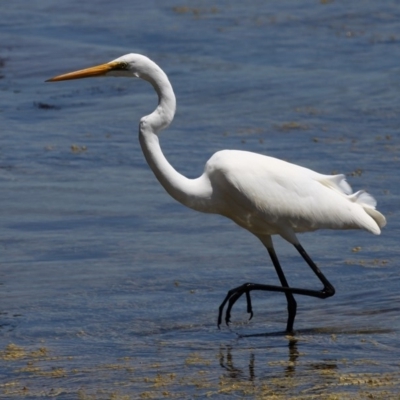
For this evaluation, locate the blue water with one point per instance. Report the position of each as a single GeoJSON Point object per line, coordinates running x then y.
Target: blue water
{"type": "Point", "coordinates": [109, 288]}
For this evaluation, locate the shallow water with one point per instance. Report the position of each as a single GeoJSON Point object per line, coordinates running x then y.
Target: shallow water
{"type": "Point", "coordinates": [110, 289]}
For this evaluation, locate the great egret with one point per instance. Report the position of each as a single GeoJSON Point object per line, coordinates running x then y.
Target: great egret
{"type": "Point", "coordinates": [264, 195]}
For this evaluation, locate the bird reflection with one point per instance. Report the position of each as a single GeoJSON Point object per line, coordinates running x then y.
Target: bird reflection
{"type": "Point", "coordinates": [237, 373]}
{"type": "Point", "coordinates": [278, 365]}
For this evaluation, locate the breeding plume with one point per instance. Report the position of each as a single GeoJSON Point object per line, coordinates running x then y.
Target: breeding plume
{"type": "Point", "coordinates": [262, 194]}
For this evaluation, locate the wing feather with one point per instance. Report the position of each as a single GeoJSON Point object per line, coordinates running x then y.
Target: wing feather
{"type": "Point", "coordinates": [260, 192]}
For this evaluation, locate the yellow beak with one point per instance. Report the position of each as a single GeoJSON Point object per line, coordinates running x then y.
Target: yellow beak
{"type": "Point", "coordinates": [97, 70]}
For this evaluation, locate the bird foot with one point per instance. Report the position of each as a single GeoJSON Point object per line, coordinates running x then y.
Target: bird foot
{"type": "Point", "coordinates": [231, 298]}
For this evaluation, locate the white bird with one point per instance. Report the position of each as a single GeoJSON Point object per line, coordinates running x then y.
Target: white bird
{"type": "Point", "coordinates": [263, 195]}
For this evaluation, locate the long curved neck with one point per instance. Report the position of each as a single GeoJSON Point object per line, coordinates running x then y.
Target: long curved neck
{"type": "Point", "coordinates": [190, 192]}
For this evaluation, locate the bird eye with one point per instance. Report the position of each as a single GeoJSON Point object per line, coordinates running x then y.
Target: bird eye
{"type": "Point", "coordinates": [122, 65]}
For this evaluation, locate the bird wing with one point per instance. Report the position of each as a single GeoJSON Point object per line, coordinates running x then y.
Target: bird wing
{"type": "Point", "coordinates": [265, 194]}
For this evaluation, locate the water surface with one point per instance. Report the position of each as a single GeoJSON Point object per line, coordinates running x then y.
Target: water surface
{"type": "Point", "coordinates": [109, 288]}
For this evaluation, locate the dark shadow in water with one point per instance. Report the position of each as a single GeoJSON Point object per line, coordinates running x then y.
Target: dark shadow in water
{"type": "Point", "coordinates": [322, 331]}
{"type": "Point", "coordinates": [8, 322]}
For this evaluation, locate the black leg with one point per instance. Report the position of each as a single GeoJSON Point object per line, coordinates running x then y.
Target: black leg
{"type": "Point", "coordinates": [291, 302]}
{"type": "Point", "coordinates": [234, 294]}
{"type": "Point", "coordinates": [328, 289]}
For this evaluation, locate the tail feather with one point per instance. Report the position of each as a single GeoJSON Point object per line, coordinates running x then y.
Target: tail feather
{"type": "Point", "coordinates": [342, 184]}
{"type": "Point", "coordinates": [337, 182]}
{"type": "Point", "coordinates": [376, 216]}
{"type": "Point", "coordinates": [368, 203]}
{"type": "Point", "coordinates": [364, 199]}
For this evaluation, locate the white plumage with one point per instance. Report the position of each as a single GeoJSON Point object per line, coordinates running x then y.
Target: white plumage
{"type": "Point", "coordinates": [269, 196]}
{"type": "Point", "coordinates": [264, 195]}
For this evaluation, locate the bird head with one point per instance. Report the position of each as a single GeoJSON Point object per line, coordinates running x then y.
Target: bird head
{"type": "Point", "coordinates": [130, 65]}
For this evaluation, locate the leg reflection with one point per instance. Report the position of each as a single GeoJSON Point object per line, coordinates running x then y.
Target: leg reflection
{"type": "Point", "coordinates": [280, 371]}
{"type": "Point", "coordinates": [226, 362]}
{"type": "Point", "coordinates": [251, 367]}
{"type": "Point", "coordinates": [234, 372]}
{"type": "Point", "coordinates": [293, 356]}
